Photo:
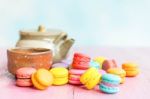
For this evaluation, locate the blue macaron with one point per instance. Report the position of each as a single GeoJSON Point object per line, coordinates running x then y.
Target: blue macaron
{"type": "Point", "coordinates": [109, 83]}
{"type": "Point", "coordinates": [94, 64]}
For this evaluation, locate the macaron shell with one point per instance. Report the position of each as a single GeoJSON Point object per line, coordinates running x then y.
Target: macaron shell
{"type": "Point", "coordinates": [44, 77]}
{"type": "Point", "coordinates": [60, 81]}
{"type": "Point", "coordinates": [109, 90]}
{"type": "Point", "coordinates": [129, 65]}
{"type": "Point", "coordinates": [37, 84]}
{"type": "Point", "coordinates": [80, 59]}
{"type": "Point", "coordinates": [24, 82]}
{"type": "Point", "coordinates": [25, 72]}
{"type": "Point", "coordinates": [80, 66]}
{"type": "Point", "coordinates": [59, 72]}
{"type": "Point", "coordinates": [132, 73]}
{"type": "Point", "coordinates": [81, 56]}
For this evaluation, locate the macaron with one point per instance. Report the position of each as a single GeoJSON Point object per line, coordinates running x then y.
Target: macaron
{"type": "Point", "coordinates": [42, 79]}
{"type": "Point", "coordinates": [74, 76]}
{"type": "Point", "coordinates": [109, 64]}
{"type": "Point", "coordinates": [109, 83]}
{"type": "Point", "coordinates": [60, 75]}
{"type": "Point", "coordinates": [131, 69]}
{"type": "Point", "coordinates": [23, 76]}
{"type": "Point", "coordinates": [80, 61]}
{"type": "Point", "coordinates": [60, 65]}
{"type": "Point", "coordinates": [90, 78]}
{"type": "Point", "coordinates": [100, 60]}
{"type": "Point", "coordinates": [118, 71]}
{"type": "Point", "coordinates": [94, 64]}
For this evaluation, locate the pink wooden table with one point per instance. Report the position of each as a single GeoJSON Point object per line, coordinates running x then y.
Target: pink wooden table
{"type": "Point", "coordinates": [133, 88]}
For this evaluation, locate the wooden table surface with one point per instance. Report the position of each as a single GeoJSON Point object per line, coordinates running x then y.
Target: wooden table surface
{"type": "Point", "coordinates": [134, 88]}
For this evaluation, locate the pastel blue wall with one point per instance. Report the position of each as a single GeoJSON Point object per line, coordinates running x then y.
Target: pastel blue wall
{"type": "Point", "coordinates": [90, 22]}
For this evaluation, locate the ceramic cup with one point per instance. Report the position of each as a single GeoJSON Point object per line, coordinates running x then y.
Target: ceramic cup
{"type": "Point", "coordinates": [28, 57]}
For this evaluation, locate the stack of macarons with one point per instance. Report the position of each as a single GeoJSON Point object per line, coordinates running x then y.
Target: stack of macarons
{"type": "Point", "coordinates": [23, 76]}
{"type": "Point", "coordinates": [118, 71]}
{"type": "Point", "coordinates": [60, 75]}
{"type": "Point", "coordinates": [90, 78]}
{"type": "Point", "coordinates": [109, 83]}
{"type": "Point", "coordinates": [79, 65]}
{"type": "Point", "coordinates": [131, 69]}
{"type": "Point", "coordinates": [74, 76]}
{"type": "Point", "coordinates": [80, 61]}
{"type": "Point", "coordinates": [42, 79]}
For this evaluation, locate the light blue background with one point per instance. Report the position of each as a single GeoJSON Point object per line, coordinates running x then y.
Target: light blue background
{"type": "Point", "coordinates": [90, 22]}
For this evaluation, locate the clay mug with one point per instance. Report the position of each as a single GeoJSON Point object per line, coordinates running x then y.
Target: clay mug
{"type": "Point", "coordinates": [28, 57]}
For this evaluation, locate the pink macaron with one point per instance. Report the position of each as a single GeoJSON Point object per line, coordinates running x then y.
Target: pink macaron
{"type": "Point", "coordinates": [74, 76]}
{"type": "Point", "coordinates": [76, 71]}
{"type": "Point", "coordinates": [23, 76]}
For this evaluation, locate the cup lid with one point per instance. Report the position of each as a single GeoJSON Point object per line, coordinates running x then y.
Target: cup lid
{"type": "Point", "coordinates": [41, 31]}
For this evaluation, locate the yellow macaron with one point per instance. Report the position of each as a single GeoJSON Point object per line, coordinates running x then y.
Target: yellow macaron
{"type": "Point", "coordinates": [90, 78]}
{"type": "Point", "coordinates": [60, 75]}
{"type": "Point", "coordinates": [118, 71]}
{"type": "Point", "coordinates": [93, 81]}
{"type": "Point", "coordinates": [41, 79]}
{"type": "Point", "coordinates": [86, 76]}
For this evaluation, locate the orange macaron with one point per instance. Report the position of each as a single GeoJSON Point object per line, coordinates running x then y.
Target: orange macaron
{"type": "Point", "coordinates": [131, 69]}
{"type": "Point", "coordinates": [118, 71]}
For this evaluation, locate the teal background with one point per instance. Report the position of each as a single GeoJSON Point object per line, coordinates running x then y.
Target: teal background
{"type": "Point", "coordinates": [90, 22]}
